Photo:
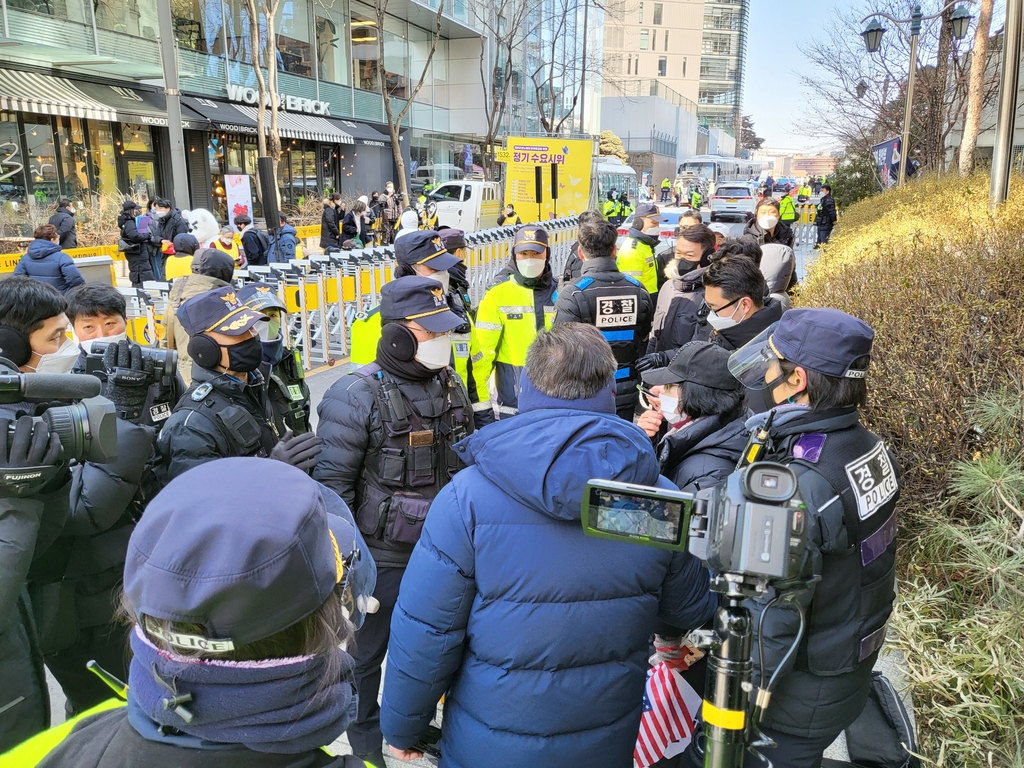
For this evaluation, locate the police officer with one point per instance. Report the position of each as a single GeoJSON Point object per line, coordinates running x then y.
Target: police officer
{"type": "Point", "coordinates": [460, 303]}
{"type": "Point", "coordinates": [609, 208]}
{"type": "Point", "coordinates": [826, 216]}
{"type": "Point", "coordinates": [623, 209]}
{"type": "Point", "coordinates": [812, 370]}
{"type": "Point", "coordinates": [616, 304]}
{"type": "Point", "coordinates": [389, 429]}
{"type": "Point", "coordinates": [510, 314]}
{"type": "Point", "coordinates": [636, 255]}
{"type": "Point", "coordinates": [224, 412]}
{"type": "Point", "coordinates": [287, 392]}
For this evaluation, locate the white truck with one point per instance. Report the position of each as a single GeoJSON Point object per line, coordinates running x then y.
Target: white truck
{"type": "Point", "coordinates": [468, 205]}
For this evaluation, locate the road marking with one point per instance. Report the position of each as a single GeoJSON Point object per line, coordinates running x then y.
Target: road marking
{"type": "Point", "coordinates": [322, 368]}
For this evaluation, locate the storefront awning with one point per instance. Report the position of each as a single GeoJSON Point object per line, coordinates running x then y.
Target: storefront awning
{"type": "Point", "coordinates": [366, 134]}
{"type": "Point", "coordinates": [46, 95]}
{"type": "Point", "coordinates": [298, 126]}
{"type": "Point", "coordinates": [148, 107]}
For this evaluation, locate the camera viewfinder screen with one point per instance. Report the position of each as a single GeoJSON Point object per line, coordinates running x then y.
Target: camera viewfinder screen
{"type": "Point", "coordinates": [630, 515]}
{"type": "Point", "coordinates": [769, 481]}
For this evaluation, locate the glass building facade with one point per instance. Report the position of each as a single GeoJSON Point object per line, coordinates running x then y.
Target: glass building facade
{"type": "Point", "coordinates": [723, 52]}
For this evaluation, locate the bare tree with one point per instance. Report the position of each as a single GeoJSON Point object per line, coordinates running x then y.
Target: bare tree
{"type": "Point", "coordinates": [976, 89]}
{"type": "Point", "coordinates": [263, 40]}
{"type": "Point", "coordinates": [395, 121]}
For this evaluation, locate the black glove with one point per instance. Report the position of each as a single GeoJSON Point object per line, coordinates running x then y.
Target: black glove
{"type": "Point", "coordinates": [29, 445]}
{"type": "Point", "coordinates": [652, 361]}
{"type": "Point", "coordinates": [129, 375]}
{"type": "Point", "coordinates": [298, 450]}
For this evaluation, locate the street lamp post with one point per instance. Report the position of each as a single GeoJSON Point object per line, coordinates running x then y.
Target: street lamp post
{"type": "Point", "coordinates": [872, 35]}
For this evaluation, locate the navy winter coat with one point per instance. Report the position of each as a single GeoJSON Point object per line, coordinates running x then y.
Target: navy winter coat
{"type": "Point", "coordinates": [46, 262]}
{"type": "Point", "coordinates": [287, 239]}
{"type": "Point", "coordinates": [538, 634]}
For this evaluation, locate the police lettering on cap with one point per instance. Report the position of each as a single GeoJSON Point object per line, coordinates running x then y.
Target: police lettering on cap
{"type": "Point", "coordinates": [648, 211]}
{"type": "Point", "coordinates": [420, 299]}
{"type": "Point", "coordinates": [453, 239]}
{"type": "Point", "coordinates": [424, 247]}
{"type": "Point", "coordinates": [219, 311]}
{"type": "Point", "coordinates": [531, 238]}
{"type": "Point", "coordinates": [260, 296]}
{"type": "Point", "coordinates": [699, 362]}
{"type": "Point", "coordinates": [244, 560]}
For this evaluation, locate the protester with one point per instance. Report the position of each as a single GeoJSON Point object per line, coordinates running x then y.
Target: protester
{"type": "Point", "coordinates": [146, 223]}
{"type": "Point", "coordinates": [737, 301]}
{"type": "Point", "coordinates": [225, 242]}
{"type": "Point", "coordinates": [721, 232]}
{"type": "Point", "coordinates": [283, 245]}
{"type": "Point", "coordinates": [234, 685]}
{"type": "Point", "coordinates": [255, 244]}
{"type": "Point", "coordinates": [514, 309]}
{"type": "Point", "coordinates": [767, 227]}
{"type": "Point", "coordinates": [536, 635]}
{"type": "Point", "coordinates": [167, 224]}
{"type": "Point", "coordinates": [211, 269]}
{"type": "Point", "coordinates": [812, 370]}
{"type": "Point", "coordinates": [330, 223]}
{"type": "Point", "coordinates": [356, 225]}
{"type": "Point", "coordinates": [509, 217]}
{"type": "Point", "coordinates": [179, 263]}
{"type": "Point", "coordinates": [391, 208]}
{"type": "Point", "coordinates": [46, 262]}
{"type": "Point", "coordinates": [389, 431]}
{"type": "Point", "coordinates": [63, 221]}
{"type": "Point", "coordinates": [132, 244]}
{"type": "Point", "coordinates": [636, 254]}
{"type": "Point", "coordinates": [616, 304]}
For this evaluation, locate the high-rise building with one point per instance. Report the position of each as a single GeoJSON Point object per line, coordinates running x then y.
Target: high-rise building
{"type": "Point", "coordinates": [723, 54]}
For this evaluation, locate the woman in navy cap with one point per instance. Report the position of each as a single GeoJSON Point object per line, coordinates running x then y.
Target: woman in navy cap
{"type": "Point", "coordinates": [812, 368]}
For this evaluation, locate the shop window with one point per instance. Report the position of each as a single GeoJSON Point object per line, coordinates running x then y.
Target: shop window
{"type": "Point", "coordinates": [330, 44]}
{"type": "Point", "coordinates": [235, 161]}
{"type": "Point", "coordinates": [136, 137]}
{"type": "Point", "coordinates": [42, 158]}
{"type": "Point", "coordinates": [102, 159]}
{"type": "Point", "coordinates": [364, 51]}
{"type": "Point", "coordinates": [142, 180]}
{"type": "Point", "coordinates": [74, 157]}
{"type": "Point", "coordinates": [216, 152]}
{"type": "Point", "coordinates": [309, 172]}
{"type": "Point", "coordinates": [12, 163]}
{"type": "Point", "coordinates": [294, 52]}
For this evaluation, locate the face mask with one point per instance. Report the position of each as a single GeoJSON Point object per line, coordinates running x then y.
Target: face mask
{"type": "Point", "coordinates": [436, 353]}
{"type": "Point", "coordinates": [720, 323]}
{"type": "Point", "coordinates": [227, 240]}
{"type": "Point", "coordinates": [391, 190]}
{"type": "Point", "coordinates": [159, 214]}
{"type": "Point", "coordinates": [767, 222]}
{"type": "Point", "coordinates": [683, 266]}
{"type": "Point", "coordinates": [768, 393]}
{"type": "Point", "coordinates": [273, 350]}
{"type": "Point", "coordinates": [670, 411]}
{"type": "Point", "coordinates": [270, 330]}
{"type": "Point", "coordinates": [61, 361]}
{"type": "Point", "coordinates": [443, 278]}
{"type": "Point", "coordinates": [87, 345]}
{"type": "Point", "coordinates": [654, 231]}
{"type": "Point", "coordinates": [530, 268]}
{"type": "Point", "coordinates": [247, 356]}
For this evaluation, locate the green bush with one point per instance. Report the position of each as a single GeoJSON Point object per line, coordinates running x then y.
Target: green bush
{"type": "Point", "coordinates": [941, 281]}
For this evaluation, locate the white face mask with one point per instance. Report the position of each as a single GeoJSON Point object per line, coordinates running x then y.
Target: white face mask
{"type": "Point", "coordinates": [443, 278]}
{"type": "Point", "coordinates": [530, 268]}
{"type": "Point", "coordinates": [654, 231]}
{"type": "Point", "coordinates": [436, 353]}
{"type": "Point", "coordinates": [720, 323]}
{"type": "Point", "coordinates": [767, 222]}
{"type": "Point", "coordinates": [61, 361]}
{"type": "Point", "coordinates": [159, 214]}
{"type": "Point", "coordinates": [670, 410]}
{"type": "Point", "coordinates": [87, 345]}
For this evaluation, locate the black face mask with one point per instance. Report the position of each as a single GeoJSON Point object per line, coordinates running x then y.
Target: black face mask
{"type": "Point", "coordinates": [768, 393]}
{"type": "Point", "coordinates": [683, 266]}
{"type": "Point", "coordinates": [247, 356]}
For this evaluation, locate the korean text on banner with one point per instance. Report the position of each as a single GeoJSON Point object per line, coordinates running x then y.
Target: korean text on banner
{"type": "Point", "coordinates": [574, 157]}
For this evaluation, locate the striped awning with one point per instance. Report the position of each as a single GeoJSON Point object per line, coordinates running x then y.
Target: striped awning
{"type": "Point", "coordinates": [46, 95]}
{"type": "Point", "coordinates": [298, 126]}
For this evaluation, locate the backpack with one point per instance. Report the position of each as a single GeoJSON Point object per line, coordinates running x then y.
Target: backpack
{"type": "Point", "coordinates": [883, 735]}
{"type": "Point", "coordinates": [264, 239]}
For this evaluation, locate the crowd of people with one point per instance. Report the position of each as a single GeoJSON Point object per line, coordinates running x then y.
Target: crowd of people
{"type": "Point", "coordinates": [433, 516]}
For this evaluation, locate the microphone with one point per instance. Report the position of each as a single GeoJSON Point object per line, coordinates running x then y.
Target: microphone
{"type": "Point", "coordinates": [47, 386]}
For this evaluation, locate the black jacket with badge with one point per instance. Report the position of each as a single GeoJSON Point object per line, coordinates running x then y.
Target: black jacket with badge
{"type": "Point", "coordinates": [676, 318]}
{"type": "Point", "coordinates": [64, 221]}
{"type": "Point", "coordinates": [287, 393]}
{"type": "Point", "coordinates": [826, 216]}
{"type": "Point", "coordinates": [621, 309]}
{"type": "Point", "coordinates": [850, 484]}
{"type": "Point", "coordinates": [108, 740]}
{"type": "Point", "coordinates": [217, 417]}
{"type": "Point", "coordinates": [387, 468]}
{"type": "Point", "coordinates": [704, 452]}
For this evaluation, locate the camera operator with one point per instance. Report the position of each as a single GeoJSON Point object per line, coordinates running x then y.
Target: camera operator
{"type": "Point", "coordinates": [98, 313]}
{"type": "Point", "coordinates": [225, 412]}
{"type": "Point", "coordinates": [84, 528]}
{"type": "Point", "coordinates": [812, 370]}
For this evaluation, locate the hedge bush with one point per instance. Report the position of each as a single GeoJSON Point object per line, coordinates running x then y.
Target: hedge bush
{"type": "Point", "coordinates": [941, 281]}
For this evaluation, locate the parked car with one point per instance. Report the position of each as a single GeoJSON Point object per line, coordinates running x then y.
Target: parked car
{"type": "Point", "coordinates": [468, 205]}
{"type": "Point", "coordinates": [738, 200]}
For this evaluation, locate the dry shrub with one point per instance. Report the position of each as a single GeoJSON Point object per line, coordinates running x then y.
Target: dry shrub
{"type": "Point", "coordinates": [941, 281]}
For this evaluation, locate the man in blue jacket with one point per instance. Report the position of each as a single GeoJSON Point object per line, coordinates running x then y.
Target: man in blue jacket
{"type": "Point", "coordinates": [537, 634]}
{"type": "Point", "coordinates": [46, 262]}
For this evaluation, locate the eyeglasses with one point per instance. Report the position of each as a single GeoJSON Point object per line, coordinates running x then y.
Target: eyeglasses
{"type": "Point", "coordinates": [644, 394]}
{"type": "Point", "coordinates": [707, 308]}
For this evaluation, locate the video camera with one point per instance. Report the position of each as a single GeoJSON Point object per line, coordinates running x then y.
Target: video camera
{"type": "Point", "coordinates": [87, 429]}
{"type": "Point", "coordinates": [165, 366]}
{"type": "Point", "coordinates": [754, 524]}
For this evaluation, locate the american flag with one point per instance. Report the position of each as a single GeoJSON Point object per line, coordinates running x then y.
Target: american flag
{"type": "Point", "coordinates": [670, 708]}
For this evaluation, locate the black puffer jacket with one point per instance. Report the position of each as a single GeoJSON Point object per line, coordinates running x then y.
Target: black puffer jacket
{"type": "Point", "coordinates": [64, 221]}
{"type": "Point", "coordinates": [675, 318]}
{"type": "Point", "coordinates": [130, 231]}
{"type": "Point", "coordinates": [169, 227]}
{"type": "Point", "coordinates": [330, 233]}
{"type": "Point", "coordinates": [704, 452]}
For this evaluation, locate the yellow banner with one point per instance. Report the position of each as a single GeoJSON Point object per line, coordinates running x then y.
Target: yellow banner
{"type": "Point", "coordinates": [8, 261]}
{"type": "Point", "coordinates": [503, 155]}
{"type": "Point", "coordinates": [574, 161]}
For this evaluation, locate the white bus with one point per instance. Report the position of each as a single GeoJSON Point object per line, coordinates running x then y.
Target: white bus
{"type": "Point", "coordinates": [716, 168]}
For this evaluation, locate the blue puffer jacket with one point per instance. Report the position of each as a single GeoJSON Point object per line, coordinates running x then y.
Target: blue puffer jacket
{"type": "Point", "coordinates": [46, 262]}
{"type": "Point", "coordinates": [538, 634]}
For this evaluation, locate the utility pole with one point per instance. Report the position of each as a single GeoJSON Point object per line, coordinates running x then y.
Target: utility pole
{"type": "Point", "coordinates": [1002, 153]}
{"type": "Point", "coordinates": [168, 56]}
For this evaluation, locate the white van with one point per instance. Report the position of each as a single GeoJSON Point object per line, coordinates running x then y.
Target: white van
{"type": "Point", "coordinates": [468, 205]}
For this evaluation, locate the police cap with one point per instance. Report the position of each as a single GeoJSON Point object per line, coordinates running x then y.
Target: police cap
{"type": "Point", "coordinates": [827, 341]}
{"type": "Point", "coordinates": [648, 211]}
{"type": "Point", "coordinates": [260, 296]}
{"type": "Point", "coordinates": [418, 298]}
{"type": "Point", "coordinates": [218, 310]}
{"type": "Point", "coordinates": [424, 247]}
{"type": "Point", "coordinates": [530, 238]}
{"type": "Point", "coordinates": [453, 239]}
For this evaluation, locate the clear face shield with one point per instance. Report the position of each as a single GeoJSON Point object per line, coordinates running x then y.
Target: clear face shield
{"type": "Point", "coordinates": [751, 362]}
{"type": "Point", "coordinates": [360, 571]}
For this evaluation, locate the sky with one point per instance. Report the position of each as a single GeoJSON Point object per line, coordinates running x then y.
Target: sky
{"type": "Point", "coordinates": [772, 93]}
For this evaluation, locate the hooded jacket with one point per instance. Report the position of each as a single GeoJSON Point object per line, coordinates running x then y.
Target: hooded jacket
{"type": "Point", "coordinates": [675, 318]}
{"type": "Point", "coordinates": [283, 250]}
{"type": "Point", "coordinates": [169, 227]}
{"type": "Point", "coordinates": [64, 221]}
{"type": "Point", "coordinates": [704, 452]}
{"type": "Point", "coordinates": [538, 633]}
{"type": "Point", "coordinates": [46, 262]}
{"type": "Point", "coordinates": [409, 221]}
